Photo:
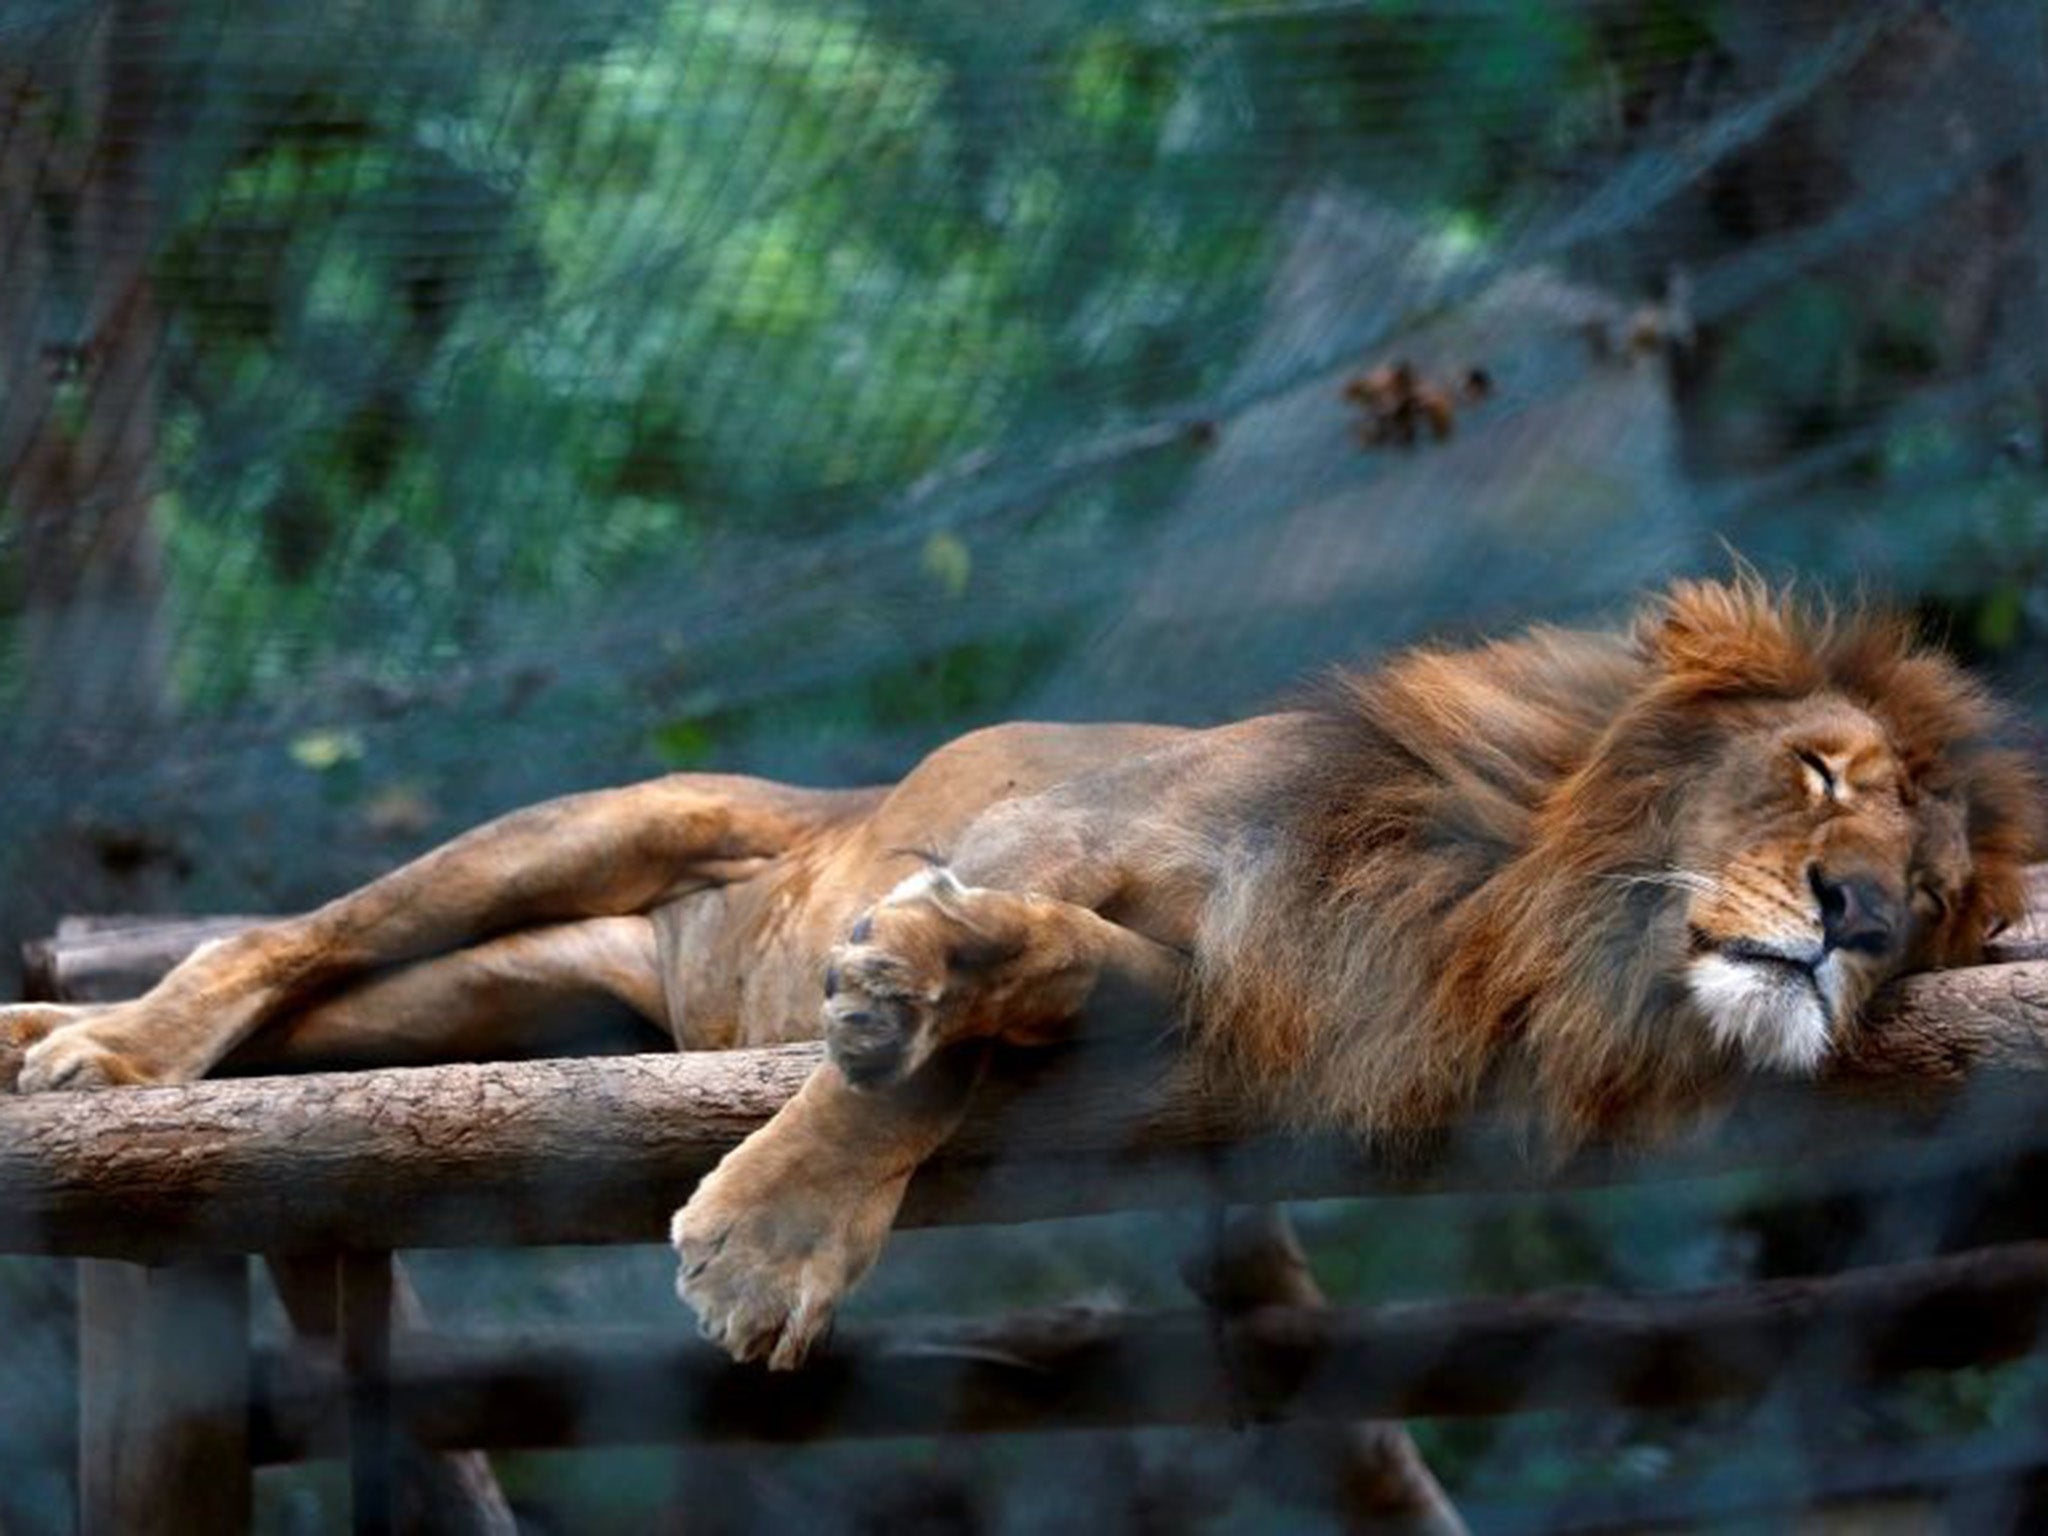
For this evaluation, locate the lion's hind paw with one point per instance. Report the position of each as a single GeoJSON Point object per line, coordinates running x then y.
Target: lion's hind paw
{"type": "Point", "coordinates": [912, 975]}
{"type": "Point", "coordinates": [878, 1014]}
{"type": "Point", "coordinates": [24, 1026]}
{"type": "Point", "coordinates": [70, 1060]}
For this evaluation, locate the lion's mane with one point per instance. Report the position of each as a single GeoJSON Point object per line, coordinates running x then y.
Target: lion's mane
{"type": "Point", "coordinates": [1443, 885]}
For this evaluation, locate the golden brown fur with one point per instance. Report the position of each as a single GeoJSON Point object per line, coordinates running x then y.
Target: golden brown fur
{"type": "Point", "coordinates": [1619, 866]}
{"type": "Point", "coordinates": [1479, 856]}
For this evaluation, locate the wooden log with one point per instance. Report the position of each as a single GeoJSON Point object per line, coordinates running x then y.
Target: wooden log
{"type": "Point", "coordinates": [373, 1434]}
{"type": "Point", "coordinates": [1079, 1368]}
{"type": "Point", "coordinates": [598, 1151]}
{"type": "Point", "coordinates": [602, 1150]}
{"type": "Point", "coordinates": [164, 1386]}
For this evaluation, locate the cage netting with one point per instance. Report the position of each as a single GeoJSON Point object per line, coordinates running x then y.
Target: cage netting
{"type": "Point", "coordinates": [413, 408]}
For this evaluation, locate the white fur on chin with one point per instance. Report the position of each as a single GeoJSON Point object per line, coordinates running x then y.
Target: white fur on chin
{"type": "Point", "coordinates": [1776, 1022]}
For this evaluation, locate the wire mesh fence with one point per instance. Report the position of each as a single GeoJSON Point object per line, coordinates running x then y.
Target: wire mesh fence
{"type": "Point", "coordinates": [408, 410]}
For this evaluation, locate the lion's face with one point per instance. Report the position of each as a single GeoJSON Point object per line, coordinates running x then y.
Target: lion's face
{"type": "Point", "coordinates": [1817, 868]}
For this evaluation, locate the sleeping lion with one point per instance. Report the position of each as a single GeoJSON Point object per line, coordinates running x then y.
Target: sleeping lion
{"type": "Point", "coordinates": [1628, 864]}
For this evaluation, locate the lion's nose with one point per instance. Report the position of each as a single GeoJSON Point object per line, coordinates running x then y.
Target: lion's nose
{"type": "Point", "coordinates": [1855, 913]}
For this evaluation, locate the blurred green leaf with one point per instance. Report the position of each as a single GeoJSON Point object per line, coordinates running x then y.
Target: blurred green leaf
{"type": "Point", "coordinates": [684, 743]}
{"type": "Point", "coordinates": [321, 751]}
{"type": "Point", "coordinates": [1998, 619]}
{"type": "Point", "coordinates": [946, 560]}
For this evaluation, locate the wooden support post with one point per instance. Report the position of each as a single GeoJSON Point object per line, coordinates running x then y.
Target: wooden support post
{"type": "Point", "coordinates": [163, 1357]}
{"type": "Point", "coordinates": [366, 1358]}
{"type": "Point", "coordinates": [440, 1493]}
{"type": "Point", "coordinates": [1367, 1472]}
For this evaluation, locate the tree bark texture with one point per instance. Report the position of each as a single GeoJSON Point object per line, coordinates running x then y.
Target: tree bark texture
{"type": "Point", "coordinates": [164, 1381]}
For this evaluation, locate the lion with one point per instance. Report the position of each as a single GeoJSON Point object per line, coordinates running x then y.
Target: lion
{"type": "Point", "coordinates": [1622, 866]}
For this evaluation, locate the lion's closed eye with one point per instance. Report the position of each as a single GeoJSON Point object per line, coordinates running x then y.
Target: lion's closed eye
{"type": "Point", "coordinates": [1930, 903]}
{"type": "Point", "coordinates": [1820, 778]}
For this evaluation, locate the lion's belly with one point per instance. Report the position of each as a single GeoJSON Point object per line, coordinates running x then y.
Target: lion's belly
{"type": "Point", "coordinates": [744, 964]}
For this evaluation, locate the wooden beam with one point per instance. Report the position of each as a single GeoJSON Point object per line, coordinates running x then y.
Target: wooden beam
{"type": "Point", "coordinates": [1080, 1368]}
{"type": "Point", "coordinates": [1368, 1474]}
{"type": "Point", "coordinates": [1977, 1482]}
{"type": "Point", "coordinates": [603, 1150]}
{"type": "Point", "coordinates": [163, 1397]}
{"type": "Point", "coordinates": [365, 1293]}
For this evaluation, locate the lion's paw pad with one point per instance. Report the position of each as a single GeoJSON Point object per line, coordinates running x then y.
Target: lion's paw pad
{"type": "Point", "coordinates": [762, 1287]}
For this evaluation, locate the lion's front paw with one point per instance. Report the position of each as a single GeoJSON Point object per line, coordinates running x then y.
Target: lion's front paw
{"type": "Point", "coordinates": [765, 1270]}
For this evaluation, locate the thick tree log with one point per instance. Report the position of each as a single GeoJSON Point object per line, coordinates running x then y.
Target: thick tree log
{"type": "Point", "coordinates": [1078, 1368]}
{"type": "Point", "coordinates": [602, 1150]}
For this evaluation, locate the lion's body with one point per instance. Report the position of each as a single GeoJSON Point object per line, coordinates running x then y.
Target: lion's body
{"type": "Point", "coordinates": [1626, 864]}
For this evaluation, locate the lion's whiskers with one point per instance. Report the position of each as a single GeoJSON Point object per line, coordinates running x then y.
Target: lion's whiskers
{"type": "Point", "coordinates": [1696, 881]}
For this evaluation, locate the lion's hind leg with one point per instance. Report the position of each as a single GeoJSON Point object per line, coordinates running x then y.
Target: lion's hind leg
{"type": "Point", "coordinates": [563, 989]}
{"type": "Point", "coordinates": [568, 989]}
{"type": "Point", "coordinates": [609, 853]}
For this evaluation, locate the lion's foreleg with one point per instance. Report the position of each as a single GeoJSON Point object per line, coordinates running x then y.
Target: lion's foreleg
{"type": "Point", "coordinates": [798, 1212]}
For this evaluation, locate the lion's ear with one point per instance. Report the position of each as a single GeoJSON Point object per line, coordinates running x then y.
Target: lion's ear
{"type": "Point", "coordinates": [1723, 637]}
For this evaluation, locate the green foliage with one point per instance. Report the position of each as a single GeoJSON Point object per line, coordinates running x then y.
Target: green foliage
{"type": "Point", "coordinates": [573, 301]}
